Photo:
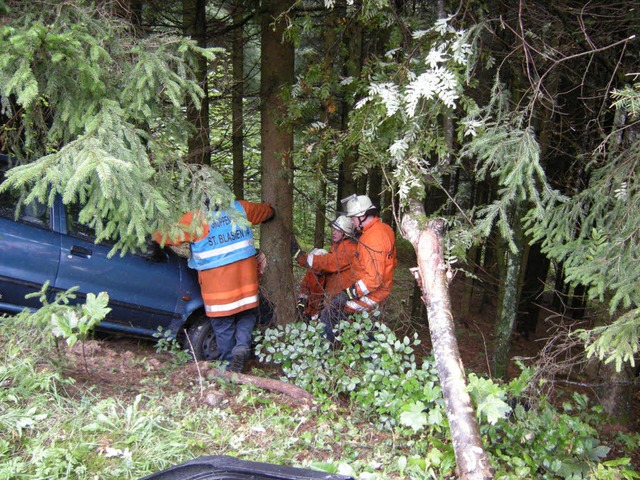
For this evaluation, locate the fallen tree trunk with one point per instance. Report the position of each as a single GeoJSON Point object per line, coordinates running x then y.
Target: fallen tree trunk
{"type": "Point", "coordinates": [427, 240]}
{"type": "Point", "coordinates": [299, 395]}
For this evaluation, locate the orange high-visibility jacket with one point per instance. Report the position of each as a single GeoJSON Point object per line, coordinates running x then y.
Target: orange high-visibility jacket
{"type": "Point", "coordinates": [374, 266]}
{"type": "Point", "coordinates": [231, 288]}
{"type": "Point", "coordinates": [333, 271]}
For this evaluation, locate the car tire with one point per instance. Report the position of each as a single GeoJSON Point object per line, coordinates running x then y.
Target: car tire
{"type": "Point", "coordinates": [202, 340]}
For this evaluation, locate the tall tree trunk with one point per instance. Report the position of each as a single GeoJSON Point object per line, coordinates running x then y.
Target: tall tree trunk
{"type": "Point", "coordinates": [375, 186]}
{"type": "Point", "coordinates": [617, 392]}
{"type": "Point", "coordinates": [471, 265]}
{"type": "Point", "coordinates": [535, 274]}
{"type": "Point", "coordinates": [237, 97]}
{"type": "Point", "coordinates": [389, 209]}
{"type": "Point", "coordinates": [321, 205]}
{"type": "Point", "coordinates": [194, 18]}
{"type": "Point", "coordinates": [509, 266]}
{"type": "Point", "coordinates": [328, 108]}
{"type": "Point", "coordinates": [428, 242]}
{"type": "Point", "coordinates": [277, 71]}
{"type": "Point", "coordinates": [561, 289]}
{"type": "Point", "coordinates": [352, 68]}
{"type": "Point", "coordinates": [578, 303]}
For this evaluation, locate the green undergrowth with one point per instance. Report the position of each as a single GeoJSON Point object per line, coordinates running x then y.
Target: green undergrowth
{"type": "Point", "coordinates": [379, 415]}
{"type": "Point", "coordinates": [525, 435]}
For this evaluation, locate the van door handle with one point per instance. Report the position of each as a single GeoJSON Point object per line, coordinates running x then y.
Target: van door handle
{"type": "Point", "coordinates": [80, 252]}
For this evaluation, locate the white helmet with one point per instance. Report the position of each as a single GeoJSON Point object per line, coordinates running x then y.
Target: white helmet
{"type": "Point", "coordinates": [357, 205]}
{"type": "Point", "coordinates": [344, 224]}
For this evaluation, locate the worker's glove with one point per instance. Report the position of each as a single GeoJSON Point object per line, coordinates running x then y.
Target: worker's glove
{"type": "Point", "coordinates": [351, 292]}
{"type": "Point", "coordinates": [296, 251]}
{"type": "Point", "coordinates": [302, 302]}
{"type": "Point", "coordinates": [339, 301]}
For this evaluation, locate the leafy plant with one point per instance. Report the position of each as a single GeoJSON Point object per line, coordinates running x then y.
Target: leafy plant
{"type": "Point", "coordinates": [59, 319]}
{"type": "Point", "coordinates": [167, 342]}
{"type": "Point", "coordinates": [372, 366]}
{"type": "Point", "coordinates": [378, 373]}
{"type": "Point", "coordinates": [546, 442]}
{"type": "Point", "coordinates": [46, 434]}
{"type": "Point", "coordinates": [76, 323]}
{"type": "Point", "coordinates": [489, 398]}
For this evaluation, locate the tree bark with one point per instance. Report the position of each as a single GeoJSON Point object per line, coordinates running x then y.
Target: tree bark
{"type": "Point", "coordinates": [375, 186]}
{"type": "Point", "coordinates": [617, 392]}
{"type": "Point", "coordinates": [510, 267]}
{"type": "Point", "coordinates": [195, 26]}
{"type": "Point", "coordinates": [390, 203]}
{"type": "Point", "coordinates": [535, 274]}
{"type": "Point", "coordinates": [321, 205]}
{"type": "Point", "coordinates": [428, 241]}
{"type": "Point", "coordinates": [468, 285]}
{"type": "Point", "coordinates": [277, 71]}
{"type": "Point", "coordinates": [237, 97]}
{"type": "Point", "coordinates": [353, 38]}
{"type": "Point", "coordinates": [297, 394]}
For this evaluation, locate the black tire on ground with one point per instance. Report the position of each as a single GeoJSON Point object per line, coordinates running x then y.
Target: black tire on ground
{"type": "Point", "coordinates": [202, 339]}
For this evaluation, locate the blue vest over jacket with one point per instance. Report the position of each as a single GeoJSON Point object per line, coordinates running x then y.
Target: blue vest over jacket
{"type": "Point", "coordinates": [226, 243]}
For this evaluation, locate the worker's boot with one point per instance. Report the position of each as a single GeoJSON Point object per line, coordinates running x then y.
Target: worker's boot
{"type": "Point", "coordinates": [238, 362]}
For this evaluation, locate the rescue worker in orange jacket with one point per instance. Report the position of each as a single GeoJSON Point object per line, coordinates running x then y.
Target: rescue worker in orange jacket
{"type": "Point", "coordinates": [329, 272]}
{"type": "Point", "coordinates": [373, 265]}
{"type": "Point", "coordinates": [375, 255]}
{"type": "Point", "coordinates": [225, 257]}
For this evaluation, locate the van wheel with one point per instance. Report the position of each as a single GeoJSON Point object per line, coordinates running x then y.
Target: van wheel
{"type": "Point", "coordinates": [202, 339]}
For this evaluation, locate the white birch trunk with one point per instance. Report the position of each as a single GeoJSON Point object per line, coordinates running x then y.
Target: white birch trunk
{"type": "Point", "coordinates": [427, 240]}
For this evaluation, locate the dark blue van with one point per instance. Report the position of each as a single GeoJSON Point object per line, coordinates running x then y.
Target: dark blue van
{"type": "Point", "coordinates": [146, 290]}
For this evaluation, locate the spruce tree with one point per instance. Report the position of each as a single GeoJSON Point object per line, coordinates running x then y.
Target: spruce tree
{"type": "Point", "coordinates": [96, 114]}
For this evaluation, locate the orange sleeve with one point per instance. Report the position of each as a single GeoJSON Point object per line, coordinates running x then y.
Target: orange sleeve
{"type": "Point", "coordinates": [186, 221]}
{"type": "Point", "coordinates": [339, 258]}
{"type": "Point", "coordinates": [257, 212]}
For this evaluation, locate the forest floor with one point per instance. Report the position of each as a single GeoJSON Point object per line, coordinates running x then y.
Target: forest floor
{"type": "Point", "coordinates": [122, 367]}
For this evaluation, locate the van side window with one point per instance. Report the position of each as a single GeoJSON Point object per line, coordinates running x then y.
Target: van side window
{"type": "Point", "coordinates": [79, 230]}
{"type": "Point", "coordinates": [8, 205]}
{"type": "Point", "coordinates": [35, 213]}
{"type": "Point", "coordinates": [75, 228]}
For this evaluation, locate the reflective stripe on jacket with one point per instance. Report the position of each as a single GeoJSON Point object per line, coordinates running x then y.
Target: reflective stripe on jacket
{"type": "Point", "coordinates": [374, 266]}
{"type": "Point", "coordinates": [226, 242]}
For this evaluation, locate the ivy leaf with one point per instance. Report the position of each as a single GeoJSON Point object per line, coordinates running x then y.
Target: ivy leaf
{"type": "Point", "coordinates": [493, 408]}
{"type": "Point", "coordinates": [96, 307]}
{"type": "Point", "coordinates": [489, 398]}
{"type": "Point", "coordinates": [414, 416]}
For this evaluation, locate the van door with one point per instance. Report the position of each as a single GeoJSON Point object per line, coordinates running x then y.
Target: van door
{"type": "Point", "coordinates": [29, 255]}
{"type": "Point", "coordinates": [29, 249]}
{"type": "Point", "coordinates": [143, 288]}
